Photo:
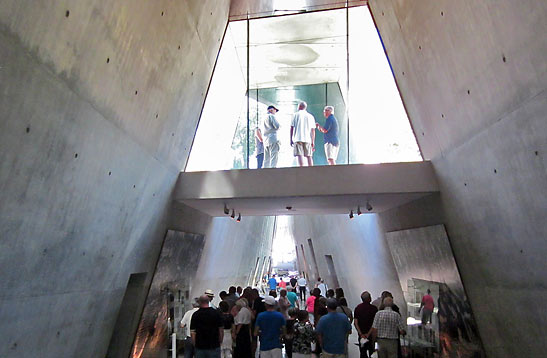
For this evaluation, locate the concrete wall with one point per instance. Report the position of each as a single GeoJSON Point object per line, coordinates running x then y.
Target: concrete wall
{"type": "Point", "coordinates": [98, 110]}
{"type": "Point", "coordinates": [473, 77]}
{"type": "Point", "coordinates": [359, 251]}
{"type": "Point", "coordinates": [231, 251]}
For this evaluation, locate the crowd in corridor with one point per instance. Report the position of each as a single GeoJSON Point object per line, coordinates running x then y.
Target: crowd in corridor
{"type": "Point", "coordinates": [290, 316]}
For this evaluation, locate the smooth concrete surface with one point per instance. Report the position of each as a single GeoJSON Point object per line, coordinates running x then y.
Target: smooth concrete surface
{"type": "Point", "coordinates": [359, 251]}
{"type": "Point", "coordinates": [473, 76]}
{"type": "Point", "coordinates": [231, 252]}
{"type": "Point", "coordinates": [98, 108]}
{"type": "Point", "coordinates": [306, 190]}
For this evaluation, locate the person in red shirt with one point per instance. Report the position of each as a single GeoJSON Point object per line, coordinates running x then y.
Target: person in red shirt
{"type": "Point", "coordinates": [427, 306]}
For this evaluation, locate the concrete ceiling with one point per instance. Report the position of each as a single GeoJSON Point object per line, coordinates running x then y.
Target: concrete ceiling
{"type": "Point", "coordinates": [308, 190]}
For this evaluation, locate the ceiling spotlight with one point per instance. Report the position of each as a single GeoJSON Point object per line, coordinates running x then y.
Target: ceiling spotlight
{"type": "Point", "coordinates": [369, 207]}
{"type": "Point", "coordinates": [233, 214]}
{"type": "Point", "coordinates": [239, 217]}
{"type": "Point", "coordinates": [359, 210]}
{"type": "Point", "coordinates": [351, 214]}
{"type": "Point", "coordinates": [226, 210]}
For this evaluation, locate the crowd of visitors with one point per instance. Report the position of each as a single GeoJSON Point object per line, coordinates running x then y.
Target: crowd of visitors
{"type": "Point", "coordinates": [319, 324]}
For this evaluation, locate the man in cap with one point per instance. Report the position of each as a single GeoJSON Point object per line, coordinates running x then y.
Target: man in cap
{"type": "Point", "coordinates": [303, 134]}
{"type": "Point", "coordinates": [270, 326]}
{"type": "Point", "coordinates": [271, 143]}
{"type": "Point", "coordinates": [209, 293]}
{"type": "Point", "coordinates": [207, 330]}
{"type": "Point", "coordinates": [332, 331]}
{"type": "Point", "coordinates": [330, 130]}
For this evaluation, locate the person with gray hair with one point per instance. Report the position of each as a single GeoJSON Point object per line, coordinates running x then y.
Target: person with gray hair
{"type": "Point", "coordinates": [330, 132]}
{"type": "Point", "coordinates": [386, 328]}
{"type": "Point", "coordinates": [303, 135]}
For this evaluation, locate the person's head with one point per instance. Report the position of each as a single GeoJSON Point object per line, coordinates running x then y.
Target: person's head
{"type": "Point", "coordinates": [239, 289]}
{"type": "Point", "coordinates": [388, 301]}
{"type": "Point", "coordinates": [210, 294]}
{"type": "Point", "coordinates": [386, 294]}
{"type": "Point", "coordinates": [339, 293]}
{"type": "Point", "coordinates": [316, 292]}
{"type": "Point", "coordinates": [255, 292]}
{"type": "Point", "coordinates": [328, 111]}
{"type": "Point", "coordinates": [269, 302]}
{"type": "Point", "coordinates": [365, 297]}
{"type": "Point", "coordinates": [289, 288]}
{"type": "Point", "coordinates": [330, 293]}
{"type": "Point", "coordinates": [319, 279]}
{"type": "Point", "coordinates": [203, 301]}
{"type": "Point", "coordinates": [222, 295]}
{"type": "Point", "coordinates": [224, 306]}
{"type": "Point", "coordinates": [332, 304]}
{"type": "Point", "coordinates": [302, 105]}
{"type": "Point", "coordinates": [247, 293]}
{"type": "Point", "coordinates": [273, 293]}
{"type": "Point", "coordinates": [428, 291]}
{"type": "Point", "coordinates": [195, 302]}
{"type": "Point", "coordinates": [242, 302]}
{"type": "Point", "coordinates": [283, 293]}
{"type": "Point", "coordinates": [232, 290]}
{"type": "Point", "coordinates": [302, 316]}
{"type": "Point", "coordinates": [343, 302]}
{"type": "Point", "coordinates": [293, 312]}
{"type": "Point", "coordinates": [272, 110]}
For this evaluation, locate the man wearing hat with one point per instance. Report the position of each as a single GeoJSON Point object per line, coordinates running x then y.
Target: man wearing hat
{"type": "Point", "coordinates": [270, 326]}
{"type": "Point", "coordinates": [271, 143]}
{"type": "Point", "coordinates": [209, 293]}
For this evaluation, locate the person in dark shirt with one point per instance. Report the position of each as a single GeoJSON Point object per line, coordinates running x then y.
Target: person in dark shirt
{"type": "Point", "coordinates": [288, 339]}
{"type": "Point", "coordinates": [293, 283]}
{"type": "Point", "coordinates": [207, 330]}
{"type": "Point", "coordinates": [363, 317]}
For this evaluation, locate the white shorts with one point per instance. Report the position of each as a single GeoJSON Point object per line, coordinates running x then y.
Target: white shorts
{"type": "Point", "coordinates": [272, 353]}
{"type": "Point", "coordinates": [303, 149]}
{"type": "Point", "coordinates": [331, 151]}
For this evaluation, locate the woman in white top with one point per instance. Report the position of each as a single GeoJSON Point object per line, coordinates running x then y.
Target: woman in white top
{"type": "Point", "coordinates": [242, 331]}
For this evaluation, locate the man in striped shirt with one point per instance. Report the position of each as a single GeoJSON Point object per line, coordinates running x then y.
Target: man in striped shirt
{"type": "Point", "coordinates": [386, 328]}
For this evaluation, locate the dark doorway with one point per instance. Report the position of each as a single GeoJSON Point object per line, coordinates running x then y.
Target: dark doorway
{"type": "Point", "coordinates": [332, 271]}
{"type": "Point", "coordinates": [128, 316]}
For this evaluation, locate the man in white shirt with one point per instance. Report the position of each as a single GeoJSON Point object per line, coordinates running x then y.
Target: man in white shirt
{"type": "Point", "coordinates": [302, 287]}
{"type": "Point", "coordinates": [185, 324]}
{"type": "Point", "coordinates": [303, 135]}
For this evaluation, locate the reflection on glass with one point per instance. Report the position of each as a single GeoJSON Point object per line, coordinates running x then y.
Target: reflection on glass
{"type": "Point", "coordinates": [303, 57]}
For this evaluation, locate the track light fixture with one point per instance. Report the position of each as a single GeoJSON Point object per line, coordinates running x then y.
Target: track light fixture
{"type": "Point", "coordinates": [359, 210]}
{"type": "Point", "coordinates": [233, 214]}
{"type": "Point", "coordinates": [369, 207]}
{"type": "Point", "coordinates": [351, 214]}
{"type": "Point", "coordinates": [239, 217]}
{"type": "Point", "coordinates": [226, 210]}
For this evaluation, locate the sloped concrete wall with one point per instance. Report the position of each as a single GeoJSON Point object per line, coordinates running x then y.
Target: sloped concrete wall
{"type": "Point", "coordinates": [231, 249]}
{"type": "Point", "coordinates": [359, 252]}
{"type": "Point", "coordinates": [473, 77]}
{"type": "Point", "coordinates": [98, 107]}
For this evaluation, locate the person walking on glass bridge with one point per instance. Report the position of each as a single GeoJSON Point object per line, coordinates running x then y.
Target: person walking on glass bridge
{"type": "Point", "coordinates": [271, 143]}
{"type": "Point", "coordinates": [330, 131]}
{"type": "Point", "coordinates": [303, 134]}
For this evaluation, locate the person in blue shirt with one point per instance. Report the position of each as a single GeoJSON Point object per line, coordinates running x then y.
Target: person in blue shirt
{"type": "Point", "coordinates": [330, 130]}
{"type": "Point", "coordinates": [270, 326]}
{"type": "Point", "coordinates": [272, 283]}
{"type": "Point", "coordinates": [332, 331]}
